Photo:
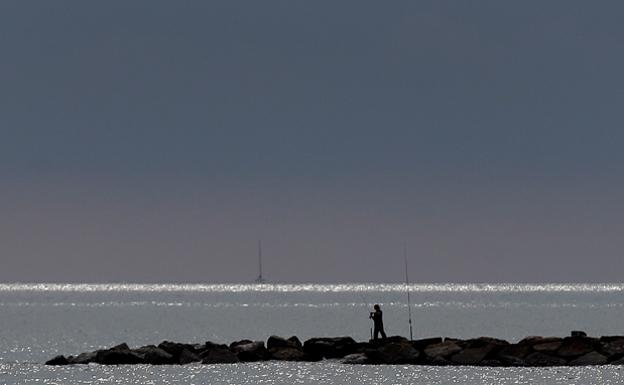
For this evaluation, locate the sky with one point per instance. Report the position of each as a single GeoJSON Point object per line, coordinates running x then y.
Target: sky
{"type": "Point", "coordinates": [158, 141]}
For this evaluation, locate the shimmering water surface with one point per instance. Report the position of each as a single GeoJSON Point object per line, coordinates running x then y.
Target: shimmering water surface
{"type": "Point", "coordinates": [42, 320]}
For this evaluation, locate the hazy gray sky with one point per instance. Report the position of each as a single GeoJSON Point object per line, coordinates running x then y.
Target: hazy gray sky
{"type": "Point", "coordinates": [159, 140]}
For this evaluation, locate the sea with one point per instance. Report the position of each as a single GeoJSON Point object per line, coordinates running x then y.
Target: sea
{"type": "Point", "coordinates": [40, 321]}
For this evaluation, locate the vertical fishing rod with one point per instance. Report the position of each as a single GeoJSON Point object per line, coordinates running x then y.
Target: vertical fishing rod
{"type": "Point", "coordinates": [409, 307]}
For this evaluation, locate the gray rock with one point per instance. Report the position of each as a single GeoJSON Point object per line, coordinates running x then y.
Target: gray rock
{"type": "Point", "coordinates": [592, 358]}
{"type": "Point", "coordinates": [542, 359]}
{"type": "Point", "coordinates": [444, 349]}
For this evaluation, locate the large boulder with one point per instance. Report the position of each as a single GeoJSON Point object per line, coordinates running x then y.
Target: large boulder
{"type": "Point", "coordinates": [117, 355]}
{"type": "Point", "coordinates": [472, 356]}
{"type": "Point", "coordinates": [547, 347]}
{"type": "Point", "coordinates": [577, 346]}
{"type": "Point", "coordinates": [355, 359]}
{"type": "Point", "coordinates": [336, 347]}
{"type": "Point", "coordinates": [176, 348]}
{"type": "Point", "coordinates": [283, 349]}
{"type": "Point", "coordinates": [219, 355]}
{"type": "Point", "coordinates": [611, 346]}
{"type": "Point", "coordinates": [281, 342]}
{"type": "Point", "coordinates": [592, 358]}
{"type": "Point", "coordinates": [287, 354]}
{"type": "Point", "coordinates": [83, 358]}
{"type": "Point", "coordinates": [155, 356]}
{"type": "Point", "coordinates": [423, 343]}
{"type": "Point", "coordinates": [443, 349]}
{"type": "Point", "coordinates": [513, 355]}
{"type": "Point", "coordinates": [249, 351]}
{"type": "Point", "coordinates": [543, 359]}
{"type": "Point", "coordinates": [186, 357]}
{"type": "Point", "coordinates": [394, 353]}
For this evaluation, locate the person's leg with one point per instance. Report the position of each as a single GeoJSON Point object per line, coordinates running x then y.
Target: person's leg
{"type": "Point", "coordinates": [375, 333]}
{"type": "Point", "coordinates": [383, 333]}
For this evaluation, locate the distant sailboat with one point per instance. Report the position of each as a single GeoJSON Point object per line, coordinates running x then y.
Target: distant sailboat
{"type": "Point", "coordinates": [260, 279]}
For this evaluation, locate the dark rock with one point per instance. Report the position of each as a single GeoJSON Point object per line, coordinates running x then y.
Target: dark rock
{"type": "Point", "coordinates": [423, 343]}
{"type": "Point", "coordinates": [485, 341]}
{"type": "Point", "coordinates": [336, 347]}
{"type": "Point", "coordinates": [491, 363]}
{"type": "Point", "coordinates": [513, 355]}
{"type": "Point", "coordinates": [511, 361]}
{"type": "Point", "coordinates": [219, 355]}
{"type": "Point", "coordinates": [287, 354]}
{"type": "Point", "coordinates": [280, 342]}
{"type": "Point", "coordinates": [155, 356]}
{"type": "Point", "coordinates": [577, 346]}
{"type": "Point", "coordinates": [443, 349]}
{"type": "Point", "coordinates": [578, 333]}
{"type": "Point", "coordinates": [515, 350]}
{"type": "Point", "coordinates": [58, 360]}
{"type": "Point", "coordinates": [547, 347]}
{"type": "Point", "coordinates": [186, 357]}
{"type": "Point", "coordinates": [439, 361]}
{"type": "Point", "coordinates": [84, 358]}
{"type": "Point", "coordinates": [611, 347]}
{"type": "Point", "coordinates": [592, 358]}
{"type": "Point", "coordinates": [356, 359]}
{"type": "Point", "coordinates": [175, 348]}
{"type": "Point", "coordinates": [117, 356]}
{"type": "Point", "coordinates": [394, 353]}
{"type": "Point", "coordinates": [542, 359]}
{"type": "Point", "coordinates": [472, 356]}
{"type": "Point", "coordinates": [619, 361]}
{"type": "Point", "coordinates": [294, 342]}
{"type": "Point", "coordinates": [250, 351]}
{"type": "Point", "coordinates": [534, 340]}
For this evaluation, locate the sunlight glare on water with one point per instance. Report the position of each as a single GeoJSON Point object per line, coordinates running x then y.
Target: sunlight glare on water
{"type": "Point", "coordinates": [321, 288]}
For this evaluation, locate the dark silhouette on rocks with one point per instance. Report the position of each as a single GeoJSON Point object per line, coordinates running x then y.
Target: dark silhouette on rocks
{"type": "Point", "coordinates": [377, 317]}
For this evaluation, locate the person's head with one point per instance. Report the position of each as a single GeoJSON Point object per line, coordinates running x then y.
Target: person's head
{"type": "Point", "coordinates": [376, 307]}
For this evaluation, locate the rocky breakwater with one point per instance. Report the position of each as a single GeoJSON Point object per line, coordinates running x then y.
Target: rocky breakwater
{"type": "Point", "coordinates": [578, 349]}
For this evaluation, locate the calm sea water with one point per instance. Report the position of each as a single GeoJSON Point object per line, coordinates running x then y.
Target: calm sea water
{"type": "Point", "coordinates": [40, 321]}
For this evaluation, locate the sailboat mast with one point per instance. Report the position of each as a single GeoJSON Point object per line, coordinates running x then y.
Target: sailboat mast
{"type": "Point", "coordinates": [260, 261]}
{"type": "Point", "coordinates": [409, 306]}
{"type": "Point", "coordinates": [260, 279]}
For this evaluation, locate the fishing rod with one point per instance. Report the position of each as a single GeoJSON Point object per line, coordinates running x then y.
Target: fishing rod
{"type": "Point", "coordinates": [409, 307]}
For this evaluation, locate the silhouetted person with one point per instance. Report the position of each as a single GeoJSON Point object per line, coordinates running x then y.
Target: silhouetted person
{"type": "Point", "coordinates": [377, 317]}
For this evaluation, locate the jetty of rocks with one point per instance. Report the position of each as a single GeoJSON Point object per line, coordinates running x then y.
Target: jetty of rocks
{"type": "Point", "coordinates": [578, 349]}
